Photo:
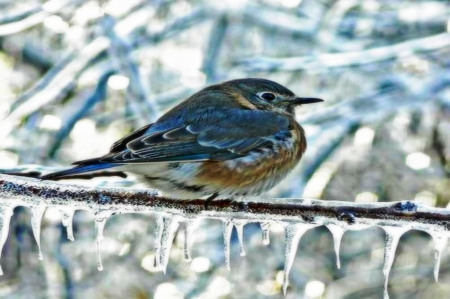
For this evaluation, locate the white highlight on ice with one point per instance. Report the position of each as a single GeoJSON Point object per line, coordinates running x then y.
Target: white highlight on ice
{"type": "Point", "coordinates": [418, 160]}
{"type": "Point", "coordinates": [190, 226]}
{"type": "Point", "coordinates": [366, 197]}
{"type": "Point", "coordinates": [291, 3]}
{"type": "Point", "coordinates": [148, 263]}
{"type": "Point", "coordinates": [337, 232]}
{"type": "Point", "coordinates": [50, 122]}
{"type": "Point", "coordinates": [393, 235]}
{"type": "Point", "coordinates": [37, 213]}
{"type": "Point", "coordinates": [168, 291]}
{"type": "Point", "coordinates": [200, 264]}
{"type": "Point", "coordinates": [294, 233]}
{"type": "Point", "coordinates": [67, 214]}
{"type": "Point", "coordinates": [239, 224]}
{"type": "Point", "coordinates": [5, 218]}
{"type": "Point", "coordinates": [56, 23]}
{"type": "Point", "coordinates": [8, 159]}
{"type": "Point", "coordinates": [426, 198]}
{"type": "Point", "coordinates": [118, 82]}
{"type": "Point", "coordinates": [227, 228]}
{"type": "Point", "coordinates": [440, 242]}
{"type": "Point", "coordinates": [265, 229]}
{"type": "Point", "coordinates": [166, 226]}
{"type": "Point", "coordinates": [100, 222]}
{"type": "Point", "coordinates": [193, 79]}
{"type": "Point", "coordinates": [364, 137]}
{"type": "Point", "coordinates": [314, 289]}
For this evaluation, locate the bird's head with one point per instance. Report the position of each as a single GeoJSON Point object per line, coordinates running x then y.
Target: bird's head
{"type": "Point", "coordinates": [268, 95]}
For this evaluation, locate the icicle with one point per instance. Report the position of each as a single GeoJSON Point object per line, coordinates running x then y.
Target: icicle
{"type": "Point", "coordinates": [227, 227]}
{"type": "Point", "coordinates": [5, 217]}
{"type": "Point", "coordinates": [337, 233]}
{"type": "Point", "coordinates": [67, 221]}
{"type": "Point", "coordinates": [294, 232]}
{"type": "Point", "coordinates": [100, 222]}
{"type": "Point", "coordinates": [393, 235]}
{"type": "Point", "coordinates": [239, 224]}
{"type": "Point", "coordinates": [265, 228]}
{"type": "Point", "coordinates": [36, 218]}
{"type": "Point", "coordinates": [191, 226]}
{"type": "Point", "coordinates": [166, 227]}
{"type": "Point", "coordinates": [440, 241]}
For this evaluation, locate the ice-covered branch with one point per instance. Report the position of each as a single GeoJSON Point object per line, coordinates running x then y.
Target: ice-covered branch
{"type": "Point", "coordinates": [331, 60]}
{"type": "Point", "coordinates": [297, 215]}
{"type": "Point", "coordinates": [20, 21]}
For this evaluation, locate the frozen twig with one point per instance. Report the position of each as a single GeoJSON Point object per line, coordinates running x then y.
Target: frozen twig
{"type": "Point", "coordinates": [137, 92]}
{"type": "Point", "coordinates": [216, 41]}
{"type": "Point", "coordinates": [19, 191]}
{"type": "Point", "coordinates": [20, 21]}
{"type": "Point", "coordinates": [97, 96]}
{"type": "Point", "coordinates": [62, 77]}
{"type": "Point", "coordinates": [332, 60]}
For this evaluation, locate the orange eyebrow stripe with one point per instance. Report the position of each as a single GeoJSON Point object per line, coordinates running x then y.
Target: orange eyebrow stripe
{"type": "Point", "coordinates": [243, 101]}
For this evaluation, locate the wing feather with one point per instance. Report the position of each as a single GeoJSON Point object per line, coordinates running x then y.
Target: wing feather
{"type": "Point", "coordinates": [232, 135]}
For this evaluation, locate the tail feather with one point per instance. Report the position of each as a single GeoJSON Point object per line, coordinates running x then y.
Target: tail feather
{"type": "Point", "coordinates": [78, 169]}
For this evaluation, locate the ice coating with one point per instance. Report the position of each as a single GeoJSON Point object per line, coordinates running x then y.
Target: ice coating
{"type": "Point", "coordinates": [191, 226]}
{"type": "Point", "coordinates": [337, 232]}
{"type": "Point", "coordinates": [440, 240]}
{"type": "Point", "coordinates": [166, 227]}
{"type": "Point", "coordinates": [36, 218]}
{"type": "Point", "coordinates": [265, 229]}
{"type": "Point", "coordinates": [239, 224]}
{"type": "Point", "coordinates": [67, 214]}
{"type": "Point", "coordinates": [393, 235]}
{"type": "Point", "coordinates": [294, 233]}
{"type": "Point", "coordinates": [227, 227]}
{"type": "Point", "coordinates": [100, 222]}
{"type": "Point", "coordinates": [5, 218]}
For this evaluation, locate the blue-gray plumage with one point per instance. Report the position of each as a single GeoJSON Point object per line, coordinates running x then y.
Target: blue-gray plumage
{"type": "Point", "coordinates": [235, 138]}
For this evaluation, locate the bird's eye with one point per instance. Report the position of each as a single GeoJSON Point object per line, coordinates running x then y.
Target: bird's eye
{"type": "Point", "coordinates": [268, 96]}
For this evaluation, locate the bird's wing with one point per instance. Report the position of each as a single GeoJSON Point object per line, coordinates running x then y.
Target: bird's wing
{"type": "Point", "coordinates": [231, 135]}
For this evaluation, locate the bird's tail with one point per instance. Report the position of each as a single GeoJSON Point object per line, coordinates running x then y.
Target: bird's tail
{"type": "Point", "coordinates": [78, 169]}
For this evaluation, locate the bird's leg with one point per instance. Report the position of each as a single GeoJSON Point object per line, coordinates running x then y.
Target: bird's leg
{"type": "Point", "coordinates": [209, 199]}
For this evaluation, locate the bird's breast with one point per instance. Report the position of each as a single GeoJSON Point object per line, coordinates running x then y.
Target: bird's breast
{"type": "Point", "coordinates": [258, 171]}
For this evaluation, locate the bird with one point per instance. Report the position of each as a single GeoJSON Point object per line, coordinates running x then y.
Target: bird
{"type": "Point", "coordinates": [236, 138]}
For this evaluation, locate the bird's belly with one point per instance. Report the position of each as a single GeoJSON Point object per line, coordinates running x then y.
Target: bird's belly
{"type": "Point", "coordinates": [253, 174]}
{"type": "Point", "coordinates": [257, 172]}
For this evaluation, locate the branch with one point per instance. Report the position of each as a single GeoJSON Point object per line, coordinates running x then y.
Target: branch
{"type": "Point", "coordinates": [332, 60]}
{"type": "Point", "coordinates": [297, 215]}
{"type": "Point", "coordinates": [23, 20]}
{"type": "Point", "coordinates": [20, 191]}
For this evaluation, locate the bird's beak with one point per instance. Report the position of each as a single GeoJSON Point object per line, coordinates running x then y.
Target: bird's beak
{"type": "Point", "coordinates": [303, 101]}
